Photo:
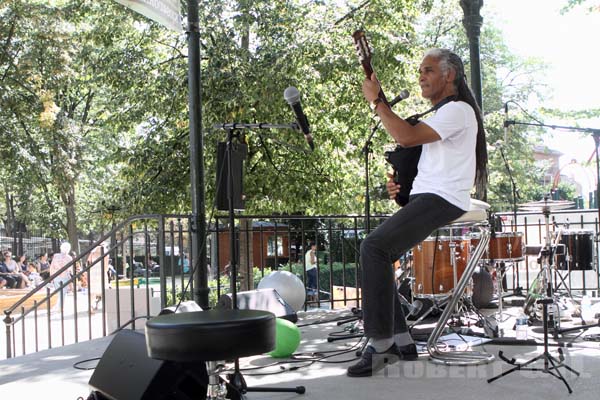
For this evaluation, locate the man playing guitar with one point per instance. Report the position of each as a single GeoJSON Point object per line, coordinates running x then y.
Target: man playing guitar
{"type": "Point", "coordinates": [453, 157]}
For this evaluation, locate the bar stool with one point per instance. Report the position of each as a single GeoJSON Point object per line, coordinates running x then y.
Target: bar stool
{"type": "Point", "coordinates": [476, 217]}
{"type": "Point", "coordinates": [212, 336]}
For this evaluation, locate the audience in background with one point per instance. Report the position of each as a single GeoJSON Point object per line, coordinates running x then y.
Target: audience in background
{"type": "Point", "coordinates": [43, 266]}
{"type": "Point", "coordinates": [22, 263]}
{"type": "Point", "coordinates": [34, 277]}
{"type": "Point", "coordinates": [10, 272]}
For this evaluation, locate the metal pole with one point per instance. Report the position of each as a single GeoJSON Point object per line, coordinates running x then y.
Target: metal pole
{"type": "Point", "coordinates": [472, 23]}
{"type": "Point", "coordinates": [198, 229]}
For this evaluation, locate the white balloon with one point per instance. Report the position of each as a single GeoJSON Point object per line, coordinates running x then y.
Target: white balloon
{"type": "Point", "coordinates": [289, 286]}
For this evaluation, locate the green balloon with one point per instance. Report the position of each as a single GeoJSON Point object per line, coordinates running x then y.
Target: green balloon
{"type": "Point", "coordinates": [287, 338]}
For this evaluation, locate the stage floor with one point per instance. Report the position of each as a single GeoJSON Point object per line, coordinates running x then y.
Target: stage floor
{"type": "Point", "coordinates": [51, 374]}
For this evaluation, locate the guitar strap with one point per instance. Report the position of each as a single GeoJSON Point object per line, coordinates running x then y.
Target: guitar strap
{"type": "Point", "coordinates": [414, 119]}
{"type": "Point", "coordinates": [405, 161]}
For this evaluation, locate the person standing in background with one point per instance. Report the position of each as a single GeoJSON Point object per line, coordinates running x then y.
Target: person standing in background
{"type": "Point", "coordinates": [59, 260]}
{"type": "Point", "coordinates": [310, 261]}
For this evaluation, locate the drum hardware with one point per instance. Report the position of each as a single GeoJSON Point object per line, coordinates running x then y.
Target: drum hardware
{"type": "Point", "coordinates": [500, 293]}
{"type": "Point", "coordinates": [562, 331]}
{"type": "Point", "coordinates": [556, 249]}
{"type": "Point", "coordinates": [504, 247]}
{"type": "Point", "coordinates": [544, 279]}
{"type": "Point", "coordinates": [413, 308]}
{"type": "Point", "coordinates": [551, 364]}
{"type": "Point", "coordinates": [469, 357]}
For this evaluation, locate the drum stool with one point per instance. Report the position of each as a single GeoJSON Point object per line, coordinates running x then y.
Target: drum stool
{"type": "Point", "coordinates": [475, 217]}
{"type": "Point", "coordinates": [213, 336]}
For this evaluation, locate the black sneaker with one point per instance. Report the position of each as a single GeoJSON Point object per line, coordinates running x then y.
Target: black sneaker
{"type": "Point", "coordinates": [372, 361]}
{"type": "Point", "coordinates": [408, 352]}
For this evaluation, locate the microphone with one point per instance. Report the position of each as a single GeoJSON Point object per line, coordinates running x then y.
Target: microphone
{"type": "Point", "coordinates": [292, 96]}
{"type": "Point", "coordinates": [403, 95]}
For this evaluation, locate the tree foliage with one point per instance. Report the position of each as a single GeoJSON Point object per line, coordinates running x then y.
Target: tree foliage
{"type": "Point", "coordinates": [67, 112]}
{"type": "Point", "coordinates": [94, 115]}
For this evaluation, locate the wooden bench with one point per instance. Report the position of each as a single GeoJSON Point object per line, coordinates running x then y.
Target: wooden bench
{"type": "Point", "coordinates": [8, 297]}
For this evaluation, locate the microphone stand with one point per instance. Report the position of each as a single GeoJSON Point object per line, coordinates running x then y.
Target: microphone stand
{"type": "Point", "coordinates": [236, 379]}
{"type": "Point", "coordinates": [518, 291]}
{"type": "Point", "coordinates": [366, 151]}
{"type": "Point", "coordinates": [512, 184]}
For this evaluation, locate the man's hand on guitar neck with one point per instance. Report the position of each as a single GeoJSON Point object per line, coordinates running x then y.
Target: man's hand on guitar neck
{"type": "Point", "coordinates": [392, 187]}
{"type": "Point", "coordinates": [371, 88]}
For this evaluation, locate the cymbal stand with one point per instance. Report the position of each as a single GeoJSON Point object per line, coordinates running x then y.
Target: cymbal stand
{"type": "Point", "coordinates": [551, 364]}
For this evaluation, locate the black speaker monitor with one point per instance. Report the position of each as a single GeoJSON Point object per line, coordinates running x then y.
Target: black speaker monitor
{"type": "Point", "coordinates": [125, 372]}
{"type": "Point", "coordinates": [239, 151]}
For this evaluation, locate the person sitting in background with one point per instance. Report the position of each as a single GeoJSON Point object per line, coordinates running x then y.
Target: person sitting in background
{"type": "Point", "coordinates": [43, 266]}
{"type": "Point", "coordinates": [34, 277]}
{"type": "Point", "coordinates": [184, 262]}
{"type": "Point", "coordinates": [2, 283]}
{"type": "Point", "coordinates": [22, 263]}
{"type": "Point", "coordinates": [9, 271]}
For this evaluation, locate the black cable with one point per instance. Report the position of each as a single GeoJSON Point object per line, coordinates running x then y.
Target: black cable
{"type": "Point", "coordinates": [77, 364]}
{"type": "Point", "coordinates": [298, 358]}
{"type": "Point", "coordinates": [525, 111]}
{"type": "Point", "coordinates": [337, 319]}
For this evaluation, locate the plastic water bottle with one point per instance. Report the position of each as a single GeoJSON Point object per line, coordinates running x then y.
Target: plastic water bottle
{"type": "Point", "coordinates": [521, 327]}
{"type": "Point", "coordinates": [587, 313]}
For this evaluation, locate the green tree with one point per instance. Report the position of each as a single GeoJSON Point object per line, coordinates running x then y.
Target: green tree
{"type": "Point", "coordinates": [505, 77]}
{"type": "Point", "coordinates": [252, 51]}
{"type": "Point", "coordinates": [93, 104]}
{"type": "Point", "coordinates": [67, 112]}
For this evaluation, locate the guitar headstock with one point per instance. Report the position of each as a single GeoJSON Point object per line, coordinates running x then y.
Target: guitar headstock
{"type": "Point", "coordinates": [363, 50]}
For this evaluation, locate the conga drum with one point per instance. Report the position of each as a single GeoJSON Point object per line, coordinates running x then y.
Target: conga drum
{"type": "Point", "coordinates": [432, 263]}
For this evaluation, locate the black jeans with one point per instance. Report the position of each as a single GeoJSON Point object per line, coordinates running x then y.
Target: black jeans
{"type": "Point", "coordinates": [424, 213]}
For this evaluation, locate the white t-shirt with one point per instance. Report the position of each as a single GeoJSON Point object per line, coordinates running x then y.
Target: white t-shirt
{"type": "Point", "coordinates": [447, 166]}
{"type": "Point", "coordinates": [309, 261]}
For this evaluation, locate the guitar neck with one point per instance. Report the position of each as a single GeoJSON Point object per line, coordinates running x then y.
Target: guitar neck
{"type": "Point", "coordinates": [368, 68]}
{"type": "Point", "coordinates": [364, 55]}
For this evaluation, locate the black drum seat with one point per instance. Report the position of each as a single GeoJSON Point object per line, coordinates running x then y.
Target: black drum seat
{"type": "Point", "coordinates": [211, 335]}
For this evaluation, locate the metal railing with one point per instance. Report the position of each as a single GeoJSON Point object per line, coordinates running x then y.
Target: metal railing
{"type": "Point", "coordinates": [56, 315]}
{"type": "Point", "coordinates": [50, 316]}
{"type": "Point", "coordinates": [564, 225]}
{"type": "Point", "coordinates": [88, 305]}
